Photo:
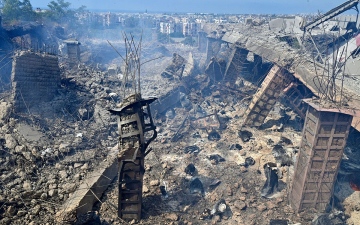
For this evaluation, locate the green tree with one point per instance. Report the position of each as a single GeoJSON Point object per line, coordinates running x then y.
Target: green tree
{"type": "Point", "coordinates": [59, 10]}
{"type": "Point", "coordinates": [14, 10]}
{"type": "Point", "coordinates": [82, 9]}
{"type": "Point", "coordinates": [27, 10]}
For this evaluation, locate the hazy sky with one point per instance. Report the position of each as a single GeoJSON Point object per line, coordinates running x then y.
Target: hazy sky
{"type": "Point", "coordinates": [206, 6]}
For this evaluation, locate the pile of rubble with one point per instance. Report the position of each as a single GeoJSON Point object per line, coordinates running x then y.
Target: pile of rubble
{"type": "Point", "coordinates": [205, 167]}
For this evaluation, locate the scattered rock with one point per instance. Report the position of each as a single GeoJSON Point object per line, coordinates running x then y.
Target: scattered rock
{"type": "Point", "coordinates": [20, 149]}
{"type": "Point", "coordinates": [21, 213]}
{"type": "Point", "coordinates": [154, 183]}
{"type": "Point", "coordinates": [172, 217]}
{"type": "Point", "coordinates": [216, 158]}
{"type": "Point", "coordinates": [10, 141]}
{"type": "Point", "coordinates": [214, 136]}
{"type": "Point", "coordinates": [146, 189]}
{"type": "Point", "coordinates": [52, 192]}
{"type": "Point", "coordinates": [44, 196]}
{"type": "Point", "coordinates": [245, 135]}
{"type": "Point", "coordinates": [63, 174]}
{"type": "Point", "coordinates": [236, 147]}
{"type": "Point", "coordinates": [261, 207]}
{"type": "Point", "coordinates": [27, 185]}
{"type": "Point", "coordinates": [77, 165]}
{"type": "Point", "coordinates": [228, 191]}
{"type": "Point", "coordinates": [64, 148]}
{"type": "Point", "coordinates": [69, 187]}
{"type": "Point", "coordinates": [190, 169]}
{"type": "Point", "coordinates": [249, 161]}
{"type": "Point", "coordinates": [192, 149]}
{"type": "Point", "coordinates": [85, 166]}
{"type": "Point", "coordinates": [196, 186]}
{"type": "Point", "coordinates": [240, 205]}
{"type": "Point", "coordinates": [243, 190]}
{"type": "Point", "coordinates": [11, 211]}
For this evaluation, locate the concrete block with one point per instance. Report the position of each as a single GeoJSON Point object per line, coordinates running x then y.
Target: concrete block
{"type": "Point", "coordinates": [91, 190]}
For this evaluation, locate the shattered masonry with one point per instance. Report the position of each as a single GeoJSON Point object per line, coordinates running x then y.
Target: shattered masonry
{"type": "Point", "coordinates": [35, 79]}
{"type": "Point", "coordinates": [266, 97]}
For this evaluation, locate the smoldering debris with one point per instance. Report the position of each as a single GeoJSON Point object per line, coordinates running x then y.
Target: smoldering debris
{"type": "Point", "coordinates": [192, 149]}
{"type": "Point", "coordinates": [214, 136]}
{"type": "Point", "coordinates": [272, 180]}
{"type": "Point", "coordinates": [196, 186]}
{"type": "Point", "coordinates": [198, 117]}
{"type": "Point", "coordinates": [190, 169]}
{"type": "Point", "coordinates": [216, 158]}
{"type": "Point", "coordinates": [245, 135]}
{"type": "Point", "coordinates": [281, 155]}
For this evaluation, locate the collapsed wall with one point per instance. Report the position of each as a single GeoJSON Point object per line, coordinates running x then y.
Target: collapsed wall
{"type": "Point", "coordinates": [35, 79]}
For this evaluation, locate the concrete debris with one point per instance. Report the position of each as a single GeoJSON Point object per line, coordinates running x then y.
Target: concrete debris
{"type": "Point", "coordinates": [59, 165]}
{"type": "Point", "coordinates": [245, 135]}
{"type": "Point", "coordinates": [192, 149]}
{"type": "Point", "coordinates": [196, 186]}
{"type": "Point", "coordinates": [272, 180]}
{"type": "Point", "coordinates": [175, 69]}
{"type": "Point", "coordinates": [214, 136]}
{"type": "Point", "coordinates": [190, 169]}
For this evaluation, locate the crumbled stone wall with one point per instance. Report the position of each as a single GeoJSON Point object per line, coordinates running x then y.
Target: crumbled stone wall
{"type": "Point", "coordinates": [35, 79]}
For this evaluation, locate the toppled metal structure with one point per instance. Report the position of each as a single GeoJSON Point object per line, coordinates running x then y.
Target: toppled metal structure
{"type": "Point", "coordinates": [132, 151]}
{"type": "Point", "coordinates": [321, 149]}
{"type": "Point", "coordinates": [296, 77]}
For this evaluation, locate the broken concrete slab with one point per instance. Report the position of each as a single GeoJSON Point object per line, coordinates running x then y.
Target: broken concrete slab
{"type": "Point", "coordinates": [91, 190]}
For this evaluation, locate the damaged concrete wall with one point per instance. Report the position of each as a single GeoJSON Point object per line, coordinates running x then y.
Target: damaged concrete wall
{"type": "Point", "coordinates": [212, 48]}
{"type": "Point", "coordinates": [167, 101]}
{"type": "Point", "coordinates": [235, 64]}
{"type": "Point", "coordinates": [35, 79]}
{"type": "Point", "coordinates": [202, 41]}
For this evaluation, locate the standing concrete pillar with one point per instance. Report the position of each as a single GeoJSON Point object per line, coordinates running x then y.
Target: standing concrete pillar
{"type": "Point", "coordinates": [212, 48]}
{"type": "Point", "coordinates": [323, 140]}
{"type": "Point", "coordinates": [235, 64]}
{"type": "Point", "coordinates": [73, 51]}
{"type": "Point", "coordinates": [202, 41]}
{"type": "Point", "coordinates": [266, 97]}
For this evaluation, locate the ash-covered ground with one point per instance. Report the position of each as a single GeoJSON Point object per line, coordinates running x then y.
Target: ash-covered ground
{"type": "Point", "coordinates": [204, 167]}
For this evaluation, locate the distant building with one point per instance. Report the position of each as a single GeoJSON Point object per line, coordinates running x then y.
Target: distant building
{"type": "Point", "coordinates": [110, 19]}
{"type": "Point", "coordinates": [190, 29]}
{"type": "Point", "coordinates": [166, 28]}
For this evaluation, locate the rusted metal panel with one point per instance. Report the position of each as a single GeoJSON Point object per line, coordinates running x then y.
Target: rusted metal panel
{"type": "Point", "coordinates": [266, 97]}
{"type": "Point", "coordinates": [323, 140]}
